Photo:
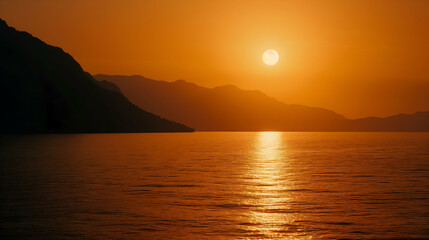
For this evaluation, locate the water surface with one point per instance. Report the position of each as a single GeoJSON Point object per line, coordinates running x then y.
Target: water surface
{"type": "Point", "coordinates": [258, 185]}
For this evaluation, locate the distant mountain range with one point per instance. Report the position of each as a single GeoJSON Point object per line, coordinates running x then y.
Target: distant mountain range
{"type": "Point", "coordinates": [417, 122]}
{"type": "Point", "coordinates": [44, 90]}
{"type": "Point", "coordinates": [229, 108]}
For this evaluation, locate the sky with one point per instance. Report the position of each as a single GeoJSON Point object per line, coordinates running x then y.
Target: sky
{"type": "Point", "coordinates": [357, 58]}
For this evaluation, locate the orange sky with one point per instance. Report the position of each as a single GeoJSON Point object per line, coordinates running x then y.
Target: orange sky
{"type": "Point", "coordinates": [358, 58]}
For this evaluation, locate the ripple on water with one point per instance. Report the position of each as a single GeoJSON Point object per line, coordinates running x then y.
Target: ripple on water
{"type": "Point", "coordinates": [267, 185]}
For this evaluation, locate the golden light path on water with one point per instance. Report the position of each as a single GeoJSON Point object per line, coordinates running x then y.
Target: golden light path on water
{"type": "Point", "coordinates": [269, 186]}
{"type": "Point", "coordinates": [216, 185]}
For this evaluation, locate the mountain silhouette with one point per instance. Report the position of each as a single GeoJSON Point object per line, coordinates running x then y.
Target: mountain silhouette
{"type": "Point", "coordinates": [44, 90]}
{"type": "Point", "coordinates": [417, 122]}
{"type": "Point", "coordinates": [229, 108]}
{"type": "Point", "coordinates": [225, 108]}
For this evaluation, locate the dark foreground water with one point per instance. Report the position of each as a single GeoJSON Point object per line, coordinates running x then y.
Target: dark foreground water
{"type": "Point", "coordinates": [262, 185]}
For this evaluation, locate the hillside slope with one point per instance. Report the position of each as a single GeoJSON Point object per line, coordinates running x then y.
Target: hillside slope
{"type": "Point", "coordinates": [225, 108]}
{"type": "Point", "coordinates": [44, 90]}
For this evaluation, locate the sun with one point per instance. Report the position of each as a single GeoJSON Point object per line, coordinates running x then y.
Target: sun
{"type": "Point", "coordinates": [270, 57]}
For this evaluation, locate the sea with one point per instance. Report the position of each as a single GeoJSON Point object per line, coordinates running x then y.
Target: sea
{"type": "Point", "coordinates": [215, 185]}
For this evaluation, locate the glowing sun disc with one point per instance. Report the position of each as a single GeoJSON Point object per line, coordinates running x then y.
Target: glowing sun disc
{"type": "Point", "coordinates": [270, 57]}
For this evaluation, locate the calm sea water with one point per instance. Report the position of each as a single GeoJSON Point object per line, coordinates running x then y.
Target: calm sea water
{"type": "Point", "coordinates": [258, 185]}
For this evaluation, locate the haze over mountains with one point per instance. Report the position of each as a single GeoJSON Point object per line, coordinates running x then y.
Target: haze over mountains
{"type": "Point", "coordinates": [229, 108]}
{"type": "Point", "coordinates": [44, 90]}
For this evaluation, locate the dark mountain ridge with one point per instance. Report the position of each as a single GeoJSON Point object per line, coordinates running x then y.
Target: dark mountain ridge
{"type": "Point", "coordinates": [417, 122]}
{"type": "Point", "coordinates": [44, 90]}
{"type": "Point", "coordinates": [224, 108]}
{"type": "Point", "coordinates": [229, 108]}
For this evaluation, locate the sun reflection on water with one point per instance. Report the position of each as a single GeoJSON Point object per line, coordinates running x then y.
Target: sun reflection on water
{"type": "Point", "coordinates": [270, 216]}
